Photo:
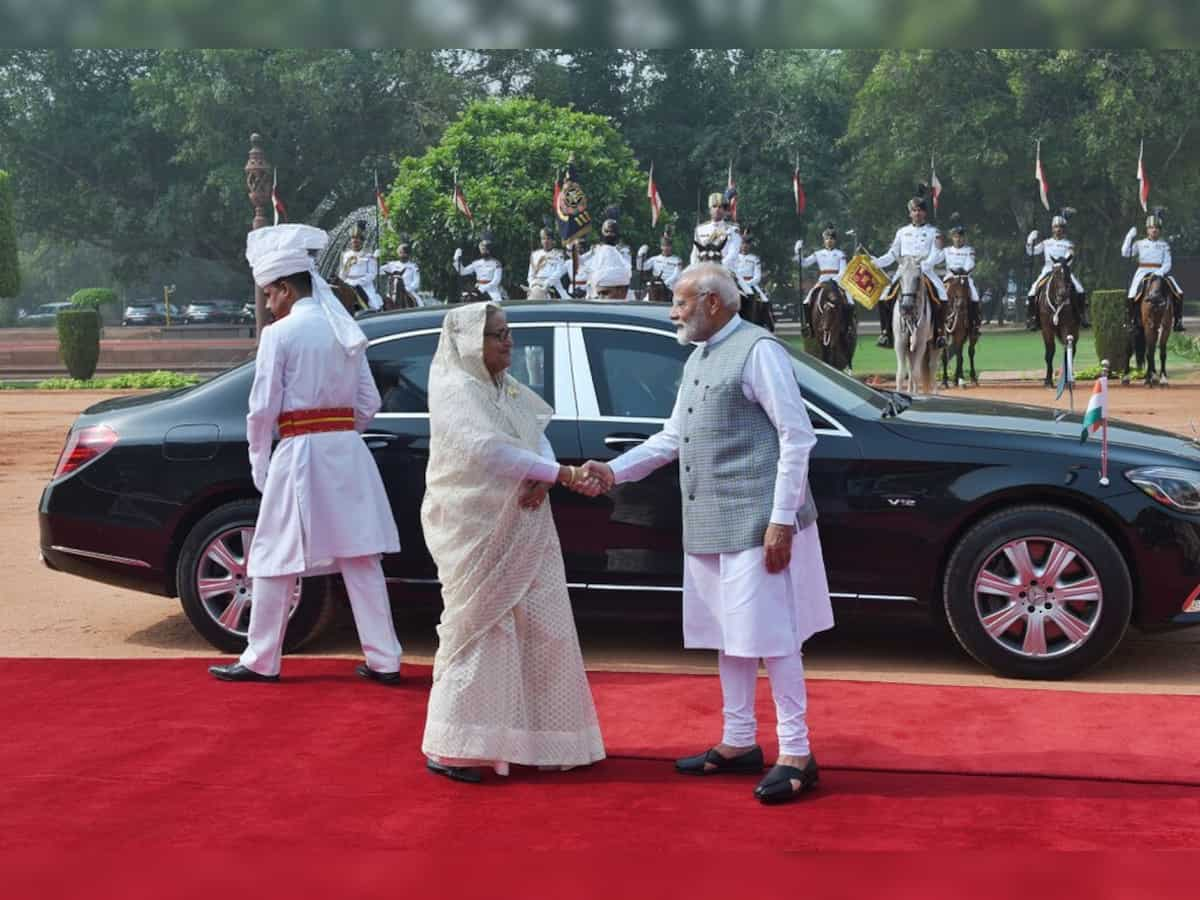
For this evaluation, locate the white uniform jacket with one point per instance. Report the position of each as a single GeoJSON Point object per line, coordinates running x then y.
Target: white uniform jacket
{"type": "Point", "coordinates": [1051, 248]}
{"type": "Point", "coordinates": [359, 269]}
{"type": "Point", "coordinates": [323, 498]}
{"type": "Point", "coordinates": [1154, 258]}
{"type": "Point", "coordinates": [962, 259]}
{"type": "Point", "coordinates": [488, 274]}
{"type": "Point", "coordinates": [918, 241]}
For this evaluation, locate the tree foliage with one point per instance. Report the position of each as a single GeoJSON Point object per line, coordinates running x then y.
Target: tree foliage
{"type": "Point", "coordinates": [10, 271]}
{"type": "Point", "coordinates": [506, 154]}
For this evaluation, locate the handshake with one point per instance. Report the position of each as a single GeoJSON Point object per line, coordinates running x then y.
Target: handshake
{"type": "Point", "coordinates": [591, 479]}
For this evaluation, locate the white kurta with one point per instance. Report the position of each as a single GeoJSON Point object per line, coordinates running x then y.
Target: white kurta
{"type": "Point", "coordinates": [359, 269]}
{"type": "Point", "coordinates": [730, 601]}
{"type": "Point", "coordinates": [608, 268]}
{"type": "Point", "coordinates": [323, 497]}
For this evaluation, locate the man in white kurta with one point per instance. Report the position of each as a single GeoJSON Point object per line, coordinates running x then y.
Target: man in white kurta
{"type": "Point", "coordinates": [761, 601]}
{"type": "Point", "coordinates": [1153, 255]}
{"type": "Point", "coordinates": [324, 507]}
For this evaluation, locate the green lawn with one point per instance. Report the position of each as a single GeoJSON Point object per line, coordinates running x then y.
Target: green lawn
{"type": "Point", "coordinates": [1003, 351]}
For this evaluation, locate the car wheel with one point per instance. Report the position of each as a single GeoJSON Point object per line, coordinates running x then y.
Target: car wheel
{"type": "Point", "coordinates": [217, 594]}
{"type": "Point", "coordinates": [1037, 592]}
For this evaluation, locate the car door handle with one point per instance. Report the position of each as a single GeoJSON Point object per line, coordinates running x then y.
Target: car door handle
{"type": "Point", "coordinates": [624, 441]}
{"type": "Point", "coordinates": [376, 440]}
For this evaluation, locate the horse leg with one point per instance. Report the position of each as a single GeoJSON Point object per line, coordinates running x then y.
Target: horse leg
{"type": "Point", "coordinates": [1162, 353]}
{"type": "Point", "coordinates": [958, 364]}
{"type": "Point", "coordinates": [945, 364]}
{"type": "Point", "coordinates": [1048, 340]}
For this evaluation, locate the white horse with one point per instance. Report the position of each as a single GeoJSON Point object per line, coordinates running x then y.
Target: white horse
{"type": "Point", "coordinates": [912, 327]}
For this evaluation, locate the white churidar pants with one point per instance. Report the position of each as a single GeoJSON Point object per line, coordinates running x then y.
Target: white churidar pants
{"type": "Point", "coordinates": [367, 590]}
{"type": "Point", "coordinates": [739, 676]}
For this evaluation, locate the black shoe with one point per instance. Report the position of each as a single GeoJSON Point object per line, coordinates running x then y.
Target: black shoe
{"type": "Point", "coordinates": [388, 678]}
{"type": "Point", "coordinates": [748, 763]}
{"type": "Point", "coordinates": [469, 774]}
{"type": "Point", "coordinates": [238, 672]}
{"type": "Point", "coordinates": [776, 786]}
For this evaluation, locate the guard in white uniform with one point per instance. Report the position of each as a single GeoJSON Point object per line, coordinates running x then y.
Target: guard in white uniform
{"type": "Point", "coordinates": [359, 269]}
{"type": "Point", "coordinates": [960, 260]}
{"type": "Point", "coordinates": [717, 240]}
{"type": "Point", "coordinates": [830, 261]}
{"type": "Point", "coordinates": [915, 239]}
{"type": "Point", "coordinates": [406, 272]}
{"type": "Point", "coordinates": [609, 267]}
{"type": "Point", "coordinates": [547, 268]}
{"type": "Point", "coordinates": [487, 269]}
{"type": "Point", "coordinates": [1153, 255]}
{"type": "Point", "coordinates": [754, 578]}
{"type": "Point", "coordinates": [664, 267]}
{"type": "Point", "coordinates": [1056, 247]}
{"type": "Point", "coordinates": [324, 507]}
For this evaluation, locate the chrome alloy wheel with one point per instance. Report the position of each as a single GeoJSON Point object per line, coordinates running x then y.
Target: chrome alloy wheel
{"type": "Point", "coordinates": [226, 592]}
{"type": "Point", "coordinates": [1038, 597]}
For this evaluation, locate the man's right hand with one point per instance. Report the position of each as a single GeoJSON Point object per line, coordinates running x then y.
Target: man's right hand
{"type": "Point", "coordinates": [458, 253]}
{"type": "Point", "coordinates": [602, 473]}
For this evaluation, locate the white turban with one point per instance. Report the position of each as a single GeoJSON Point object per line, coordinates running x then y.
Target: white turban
{"type": "Point", "coordinates": [277, 251]}
{"type": "Point", "coordinates": [608, 266]}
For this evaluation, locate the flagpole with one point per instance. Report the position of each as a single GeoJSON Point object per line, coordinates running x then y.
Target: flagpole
{"type": "Point", "coordinates": [1104, 428]}
{"type": "Point", "coordinates": [1069, 375]}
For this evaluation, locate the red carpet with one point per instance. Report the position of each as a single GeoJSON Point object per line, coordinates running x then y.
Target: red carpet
{"type": "Point", "coordinates": [109, 756]}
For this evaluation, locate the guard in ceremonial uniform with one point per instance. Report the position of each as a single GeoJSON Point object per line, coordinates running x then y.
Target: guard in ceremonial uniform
{"type": "Point", "coordinates": [609, 266]}
{"type": "Point", "coordinates": [915, 239]}
{"type": "Point", "coordinates": [547, 267]}
{"type": "Point", "coordinates": [747, 269]}
{"type": "Point", "coordinates": [1057, 246]}
{"type": "Point", "coordinates": [579, 267]}
{"type": "Point", "coordinates": [324, 508]}
{"type": "Point", "coordinates": [406, 271]}
{"type": "Point", "coordinates": [487, 269]}
{"type": "Point", "coordinates": [960, 260]}
{"type": "Point", "coordinates": [717, 240]}
{"type": "Point", "coordinates": [830, 261]}
{"type": "Point", "coordinates": [663, 267]}
{"type": "Point", "coordinates": [1153, 254]}
{"type": "Point", "coordinates": [359, 269]}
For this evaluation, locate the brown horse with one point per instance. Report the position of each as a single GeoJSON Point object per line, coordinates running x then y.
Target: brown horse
{"type": "Point", "coordinates": [834, 334]}
{"type": "Point", "coordinates": [349, 297]}
{"type": "Point", "coordinates": [1156, 325]}
{"type": "Point", "coordinates": [1056, 314]}
{"type": "Point", "coordinates": [397, 296]}
{"type": "Point", "coordinates": [757, 311]}
{"type": "Point", "coordinates": [959, 330]}
{"type": "Point", "coordinates": [658, 292]}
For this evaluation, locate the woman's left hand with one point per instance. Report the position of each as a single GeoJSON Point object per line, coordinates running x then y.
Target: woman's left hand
{"type": "Point", "coordinates": [532, 494]}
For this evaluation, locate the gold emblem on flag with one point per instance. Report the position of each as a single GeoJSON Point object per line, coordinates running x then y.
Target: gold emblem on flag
{"type": "Point", "coordinates": [863, 280]}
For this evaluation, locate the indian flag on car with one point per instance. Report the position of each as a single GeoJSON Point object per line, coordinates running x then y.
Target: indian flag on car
{"type": "Point", "coordinates": [1096, 413]}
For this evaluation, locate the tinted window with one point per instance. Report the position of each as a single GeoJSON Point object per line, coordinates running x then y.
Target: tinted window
{"type": "Point", "coordinates": [636, 374]}
{"type": "Point", "coordinates": [401, 367]}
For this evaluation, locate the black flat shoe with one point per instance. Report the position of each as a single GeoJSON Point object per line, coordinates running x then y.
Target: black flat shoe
{"type": "Point", "coordinates": [748, 763]}
{"type": "Point", "coordinates": [776, 786]}
{"type": "Point", "coordinates": [468, 774]}
{"type": "Point", "coordinates": [238, 672]}
{"type": "Point", "coordinates": [388, 678]}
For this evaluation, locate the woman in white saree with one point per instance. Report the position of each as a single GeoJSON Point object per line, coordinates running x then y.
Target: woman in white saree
{"type": "Point", "coordinates": [508, 680]}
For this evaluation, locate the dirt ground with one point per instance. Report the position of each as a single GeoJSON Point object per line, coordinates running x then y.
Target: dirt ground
{"type": "Point", "coordinates": [47, 614]}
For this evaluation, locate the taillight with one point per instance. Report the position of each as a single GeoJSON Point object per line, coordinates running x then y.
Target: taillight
{"type": "Point", "coordinates": [84, 445]}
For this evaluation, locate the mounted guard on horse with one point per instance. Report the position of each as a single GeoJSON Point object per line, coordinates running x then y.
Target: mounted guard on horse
{"type": "Point", "coordinates": [547, 269]}
{"type": "Point", "coordinates": [747, 271]}
{"type": "Point", "coordinates": [663, 268]}
{"type": "Point", "coordinates": [1153, 255]}
{"type": "Point", "coordinates": [830, 261]}
{"type": "Point", "coordinates": [916, 240]}
{"type": "Point", "coordinates": [403, 279]}
{"type": "Point", "coordinates": [358, 271]}
{"type": "Point", "coordinates": [487, 271]}
{"type": "Point", "coordinates": [1056, 250]}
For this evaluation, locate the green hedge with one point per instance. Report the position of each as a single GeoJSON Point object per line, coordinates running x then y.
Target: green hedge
{"type": "Point", "coordinates": [79, 341]}
{"type": "Point", "coordinates": [10, 272]}
{"type": "Point", "coordinates": [157, 380]}
{"type": "Point", "coordinates": [1109, 317]}
{"type": "Point", "coordinates": [92, 298]}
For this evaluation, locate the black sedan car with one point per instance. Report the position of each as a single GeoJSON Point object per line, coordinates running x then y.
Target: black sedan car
{"type": "Point", "coordinates": [988, 515]}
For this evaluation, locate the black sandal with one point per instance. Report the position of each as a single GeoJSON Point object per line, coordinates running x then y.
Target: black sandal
{"type": "Point", "coordinates": [469, 774]}
{"type": "Point", "coordinates": [776, 786]}
{"type": "Point", "coordinates": [748, 763]}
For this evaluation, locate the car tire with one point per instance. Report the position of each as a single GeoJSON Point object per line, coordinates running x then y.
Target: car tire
{"type": "Point", "coordinates": [1037, 592]}
{"type": "Point", "coordinates": [216, 594]}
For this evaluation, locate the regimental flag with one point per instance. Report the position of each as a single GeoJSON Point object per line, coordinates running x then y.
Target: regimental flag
{"type": "Point", "coordinates": [798, 189]}
{"type": "Point", "coordinates": [380, 200]}
{"type": "Point", "coordinates": [863, 280]}
{"type": "Point", "coordinates": [280, 209]}
{"type": "Point", "coordinates": [1095, 416]}
{"type": "Point", "coordinates": [1040, 175]}
{"type": "Point", "coordinates": [570, 206]}
{"type": "Point", "coordinates": [934, 185]}
{"type": "Point", "coordinates": [1143, 180]}
{"type": "Point", "coordinates": [655, 199]}
{"type": "Point", "coordinates": [730, 186]}
{"type": "Point", "coordinates": [460, 201]}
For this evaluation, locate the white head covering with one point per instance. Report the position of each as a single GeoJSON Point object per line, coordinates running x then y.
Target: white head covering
{"type": "Point", "coordinates": [277, 251]}
{"type": "Point", "coordinates": [609, 268]}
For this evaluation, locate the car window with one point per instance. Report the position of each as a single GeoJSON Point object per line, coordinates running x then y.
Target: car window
{"type": "Point", "coordinates": [401, 367]}
{"type": "Point", "coordinates": [635, 373]}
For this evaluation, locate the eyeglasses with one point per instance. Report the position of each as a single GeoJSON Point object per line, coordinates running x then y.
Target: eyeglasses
{"type": "Point", "coordinates": [502, 335]}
